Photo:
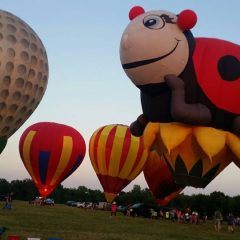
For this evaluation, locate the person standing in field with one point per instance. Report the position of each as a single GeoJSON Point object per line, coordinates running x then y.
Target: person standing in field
{"type": "Point", "coordinates": [114, 209]}
{"type": "Point", "coordinates": [218, 220]}
{"type": "Point", "coordinates": [230, 222]}
{"type": "Point", "coordinates": [8, 202]}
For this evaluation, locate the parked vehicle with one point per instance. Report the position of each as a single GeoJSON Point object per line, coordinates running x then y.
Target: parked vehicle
{"type": "Point", "coordinates": [49, 201]}
{"type": "Point", "coordinates": [122, 209]}
{"type": "Point", "coordinates": [74, 204]}
{"type": "Point", "coordinates": [102, 206]}
{"type": "Point", "coordinates": [80, 205]}
{"type": "Point", "coordinates": [37, 201]}
{"type": "Point", "coordinates": [70, 203]}
{"type": "Point", "coordinates": [88, 205]}
{"type": "Point", "coordinates": [144, 210]}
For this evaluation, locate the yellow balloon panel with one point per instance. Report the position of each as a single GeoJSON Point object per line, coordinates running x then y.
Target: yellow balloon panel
{"type": "Point", "coordinates": [190, 151]}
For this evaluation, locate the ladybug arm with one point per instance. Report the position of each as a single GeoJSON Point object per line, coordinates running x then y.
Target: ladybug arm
{"type": "Point", "coordinates": [195, 114]}
{"type": "Point", "coordinates": [137, 127]}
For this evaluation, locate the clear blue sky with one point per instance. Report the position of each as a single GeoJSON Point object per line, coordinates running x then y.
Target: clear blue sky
{"type": "Point", "coordinates": [87, 87]}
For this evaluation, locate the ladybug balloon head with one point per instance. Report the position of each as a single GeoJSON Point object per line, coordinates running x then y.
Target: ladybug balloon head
{"type": "Point", "coordinates": [154, 44]}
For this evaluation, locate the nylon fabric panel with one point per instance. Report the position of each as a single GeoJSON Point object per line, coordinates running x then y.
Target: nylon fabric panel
{"type": "Point", "coordinates": [26, 150]}
{"type": "Point", "coordinates": [101, 150]}
{"type": "Point", "coordinates": [125, 149]}
{"type": "Point", "coordinates": [116, 151]}
{"type": "Point", "coordinates": [109, 147]}
{"type": "Point", "coordinates": [139, 160]}
{"type": "Point", "coordinates": [64, 159]}
{"type": "Point", "coordinates": [93, 147]}
{"type": "Point", "coordinates": [131, 158]}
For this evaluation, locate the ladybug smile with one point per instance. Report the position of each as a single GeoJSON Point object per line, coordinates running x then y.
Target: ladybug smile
{"type": "Point", "coordinates": [148, 61]}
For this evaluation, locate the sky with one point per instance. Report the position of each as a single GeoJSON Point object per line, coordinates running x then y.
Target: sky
{"type": "Point", "coordinates": [87, 87]}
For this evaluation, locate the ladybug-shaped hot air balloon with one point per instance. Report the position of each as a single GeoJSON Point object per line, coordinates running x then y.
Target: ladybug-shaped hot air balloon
{"type": "Point", "coordinates": [190, 93]}
{"type": "Point", "coordinates": [117, 157]}
{"type": "Point", "coordinates": [51, 152]}
{"type": "Point", "coordinates": [182, 79]}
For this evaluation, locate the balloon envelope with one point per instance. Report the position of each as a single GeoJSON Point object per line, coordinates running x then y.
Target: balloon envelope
{"type": "Point", "coordinates": [195, 82]}
{"type": "Point", "coordinates": [23, 73]}
{"type": "Point", "coordinates": [51, 152]}
{"type": "Point", "coordinates": [160, 180]}
{"type": "Point", "coordinates": [117, 157]}
{"type": "Point", "coordinates": [195, 155]}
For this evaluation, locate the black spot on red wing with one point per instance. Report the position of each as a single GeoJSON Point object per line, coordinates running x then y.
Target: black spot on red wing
{"type": "Point", "coordinates": [229, 68]}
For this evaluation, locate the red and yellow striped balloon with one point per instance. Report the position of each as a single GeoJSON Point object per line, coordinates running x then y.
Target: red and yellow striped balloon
{"type": "Point", "coordinates": [117, 157]}
{"type": "Point", "coordinates": [51, 152]}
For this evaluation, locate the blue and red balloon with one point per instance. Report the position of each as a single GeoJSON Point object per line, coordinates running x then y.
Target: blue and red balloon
{"type": "Point", "coordinates": [51, 152]}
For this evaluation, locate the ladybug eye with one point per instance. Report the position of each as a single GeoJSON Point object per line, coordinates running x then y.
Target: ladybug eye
{"type": "Point", "coordinates": [153, 22]}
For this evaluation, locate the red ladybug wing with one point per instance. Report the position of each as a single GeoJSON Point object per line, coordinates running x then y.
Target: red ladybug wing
{"type": "Point", "coordinates": [224, 94]}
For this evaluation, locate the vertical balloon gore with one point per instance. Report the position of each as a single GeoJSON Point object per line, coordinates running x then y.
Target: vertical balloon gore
{"type": "Point", "coordinates": [117, 157]}
{"type": "Point", "coordinates": [51, 152]}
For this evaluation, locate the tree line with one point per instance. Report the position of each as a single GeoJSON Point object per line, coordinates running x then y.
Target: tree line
{"type": "Point", "coordinates": [205, 204]}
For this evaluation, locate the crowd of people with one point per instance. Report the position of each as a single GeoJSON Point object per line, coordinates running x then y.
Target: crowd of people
{"type": "Point", "coordinates": [188, 216]}
{"type": "Point", "coordinates": [232, 221]}
{"type": "Point", "coordinates": [183, 216]}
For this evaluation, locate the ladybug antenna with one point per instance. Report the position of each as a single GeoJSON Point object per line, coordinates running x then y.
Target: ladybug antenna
{"type": "Point", "coordinates": [187, 19]}
{"type": "Point", "coordinates": [135, 11]}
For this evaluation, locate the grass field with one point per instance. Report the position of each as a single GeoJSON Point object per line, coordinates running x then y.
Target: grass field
{"type": "Point", "coordinates": [71, 223]}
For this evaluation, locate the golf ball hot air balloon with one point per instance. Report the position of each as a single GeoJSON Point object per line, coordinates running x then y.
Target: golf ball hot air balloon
{"type": "Point", "coordinates": [117, 157]}
{"type": "Point", "coordinates": [23, 73]}
{"type": "Point", "coordinates": [160, 180]}
{"type": "Point", "coordinates": [51, 152]}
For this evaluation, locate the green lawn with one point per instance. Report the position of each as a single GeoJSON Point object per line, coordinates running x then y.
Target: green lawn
{"type": "Point", "coordinates": [71, 223]}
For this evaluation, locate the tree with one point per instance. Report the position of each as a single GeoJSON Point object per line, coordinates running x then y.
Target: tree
{"type": "Point", "coordinates": [5, 187]}
{"type": "Point", "coordinates": [23, 189]}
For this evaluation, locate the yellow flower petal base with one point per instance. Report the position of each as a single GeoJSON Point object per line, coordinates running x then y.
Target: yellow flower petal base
{"type": "Point", "coordinates": [195, 155]}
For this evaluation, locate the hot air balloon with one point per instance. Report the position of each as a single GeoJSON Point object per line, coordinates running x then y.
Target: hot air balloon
{"type": "Point", "coordinates": [160, 180]}
{"type": "Point", "coordinates": [23, 73]}
{"type": "Point", "coordinates": [182, 78]}
{"type": "Point", "coordinates": [190, 93]}
{"type": "Point", "coordinates": [51, 152]}
{"type": "Point", "coordinates": [195, 155]}
{"type": "Point", "coordinates": [117, 157]}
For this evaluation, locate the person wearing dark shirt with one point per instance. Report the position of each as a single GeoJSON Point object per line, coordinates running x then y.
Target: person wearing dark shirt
{"type": "Point", "coordinates": [230, 222]}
